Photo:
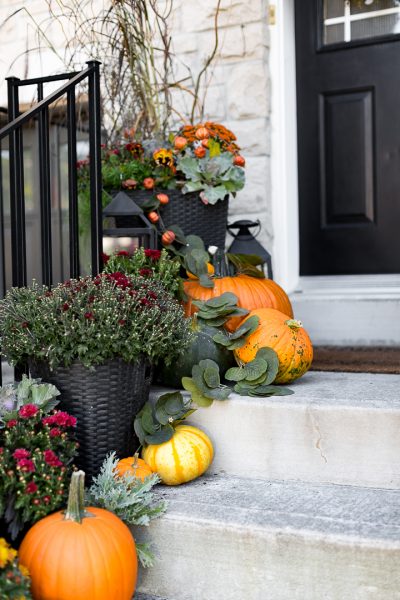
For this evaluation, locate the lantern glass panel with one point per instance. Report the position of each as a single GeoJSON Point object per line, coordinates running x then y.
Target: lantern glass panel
{"type": "Point", "coordinates": [115, 244]}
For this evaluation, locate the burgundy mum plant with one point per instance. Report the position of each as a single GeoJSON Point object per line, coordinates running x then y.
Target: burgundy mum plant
{"type": "Point", "coordinates": [113, 315]}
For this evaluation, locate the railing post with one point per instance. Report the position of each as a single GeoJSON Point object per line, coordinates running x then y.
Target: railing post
{"type": "Point", "coordinates": [2, 249]}
{"type": "Point", "coordinates": [44, 192]}
{"type": "Point", "coordinates": [72, 187]}
{"type": "Point", "coordinates": [2, 261]}
{"type": "Point", "coordinates": [95, 166]}
{"type": "Point", "coordinates": [17, 205]}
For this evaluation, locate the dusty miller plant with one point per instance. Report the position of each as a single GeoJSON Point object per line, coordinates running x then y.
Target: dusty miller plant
{"type": "Point", "coordinates": [129, 498]}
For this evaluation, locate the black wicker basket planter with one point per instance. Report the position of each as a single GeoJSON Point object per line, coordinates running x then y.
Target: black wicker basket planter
{"type": "Point", "coordinates": [105, 401]}
{"type": "Point", "coordinates": [209, 221]}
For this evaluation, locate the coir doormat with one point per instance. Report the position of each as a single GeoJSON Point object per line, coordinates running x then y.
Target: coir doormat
{"type": "Point", "coordinates": [363, 359]}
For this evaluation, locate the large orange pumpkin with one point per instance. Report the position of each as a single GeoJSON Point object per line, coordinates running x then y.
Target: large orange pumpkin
{"type": "Point", "coordinates": [134, 466]}
{"type": "Point", "coordinates": [286, 336]}
{"type": "Point", "coordinates": [252, 293]}
{"type": "Point", "coordinates": [80, 554]}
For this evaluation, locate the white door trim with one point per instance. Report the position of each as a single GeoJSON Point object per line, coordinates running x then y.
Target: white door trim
{"type": "Point", "coordinates": [285, 219]}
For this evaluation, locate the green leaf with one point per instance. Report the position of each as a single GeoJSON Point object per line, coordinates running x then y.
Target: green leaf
{"type": "Point", "coordinates": [140, 432]}
{"type": "Point", "coordinates": [211, 377]}
{"type": "Point", "coordinates": [195, 241]}
{"type": "Point", "coordinates": [215, 193]}
{"type": "Point", "coordinates": [214, 147]}
{"type": "Point", "coordinates": [246, 328]}
{"type": "Point", "coordinates": [255, 369]}
{"type": "Point", "coordinates": [222, 300]}
{"type": "Point", "coordinates": [162, 435]}
{"type": "Point", "coordinates": [206, 281]}
{"type": "Point", "coordinates": [197, 397]}
{"type": "Point", "coordinates": [222, 338]}
{"type": "Point", "coordinates": [146, 417]}
{"type": "Point", "coordinates": [221, 393]}
{"type": "Point", "coordinates": [270, 390]}
{"type": "Point", "coordinates": [270, 356]}
{"type": "Point", "coordinates": [235, 374]}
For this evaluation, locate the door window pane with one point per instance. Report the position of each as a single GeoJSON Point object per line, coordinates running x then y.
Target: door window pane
{"type": "Point", "coordinates": [349, 20]}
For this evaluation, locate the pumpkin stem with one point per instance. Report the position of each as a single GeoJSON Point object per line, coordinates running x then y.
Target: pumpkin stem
{"type": "Point", "coordinates": [294, 323]}
{"type": "Point", "coordinates": [76, 498]}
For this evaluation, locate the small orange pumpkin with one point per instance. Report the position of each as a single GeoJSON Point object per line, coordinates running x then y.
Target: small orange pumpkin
{"type": "Point", "coordinates": [284, 335]}
{"type": "Point", "coordinates": [133, 465]}
{"type": "Point", "coordinates": [202, 133]}
{"type": "Point", "coordinates": [200, 152]}
{"type": "Point", "coordinates": [168, 237]}
{"type": "Point", "coordinates": [153, 216]}
{"type": "Point", "coordinates": [239, 161]}
{"type": "Point", "coordinates": [162, 198]}
{"type": "Point", "coordinates": [180, 142]}
{"type": "Point", "coordinates": [80, 554]}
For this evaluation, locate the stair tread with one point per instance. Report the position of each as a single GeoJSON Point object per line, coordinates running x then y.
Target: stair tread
{"type": "Point", "coordinates": [358, 390]}
{"type": "Point", "coordinates": [347, 513]}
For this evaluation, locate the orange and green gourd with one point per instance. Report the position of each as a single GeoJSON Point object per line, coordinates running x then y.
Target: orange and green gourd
{"type": "Point", "coordinates": [284, 335]}
{"type": "Point", "coordinates": [186, 456]}
{"type": "Point", "coordinates": [251, 292]}
{"type": "Point", "coordinates": [80, 554]}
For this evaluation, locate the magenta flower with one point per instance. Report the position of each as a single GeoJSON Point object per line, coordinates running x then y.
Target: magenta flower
{"type": "Point", "coordinates": [28, 411]}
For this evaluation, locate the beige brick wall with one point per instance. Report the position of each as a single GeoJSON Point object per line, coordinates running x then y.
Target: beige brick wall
{"type": "Point", "coordinates": [238, 93]}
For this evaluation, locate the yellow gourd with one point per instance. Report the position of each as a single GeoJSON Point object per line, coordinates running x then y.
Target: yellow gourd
{"type": "Point", "coordinates": [186, 456]}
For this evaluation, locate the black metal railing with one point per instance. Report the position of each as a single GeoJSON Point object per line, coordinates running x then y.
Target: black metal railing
{"type": "Point", "coordinates": [14, 131]}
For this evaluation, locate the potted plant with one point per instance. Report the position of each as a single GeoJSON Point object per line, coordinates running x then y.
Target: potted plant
{"type": "Point", "coordinates": [37, 448]}
{"type": "Point", "coordinates": [186, 182]}
{"type": "Point", "coordinates": [95, 339]}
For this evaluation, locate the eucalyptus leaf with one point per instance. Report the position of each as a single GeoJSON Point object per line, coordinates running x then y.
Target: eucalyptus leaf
{"type": "Point", "coordinates": [235, 374]}
{"type": "Point", "coordinates": [197, 397]}
{"type": "Point", "coordinates": [270, 390]}
{"type": "Point", "coordinates": [255, 369]}
{"type": "Point", "coordinates": [246, 328]}
{"type": "Point", "coordinates": [222, 300]}
{"type": "Point", "coordinates": [140, 432]}
{"type": "Point", "coordinates": [206, 281]}
{"type": "Point", "coordinates": [211, 377]}
{"type": "Point", "coordinates": [162, 435]}
{"type": "Point", "coordinates": [195, 241]}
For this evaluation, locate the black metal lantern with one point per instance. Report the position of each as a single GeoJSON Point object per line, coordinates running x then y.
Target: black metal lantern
{"type": "Point", "coordinates": [245, 243]}
{"type": "Point", "coordinates": [126, 227]}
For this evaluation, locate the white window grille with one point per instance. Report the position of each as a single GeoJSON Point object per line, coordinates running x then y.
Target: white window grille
{"type": "Point", "coordinates": [349, 20]}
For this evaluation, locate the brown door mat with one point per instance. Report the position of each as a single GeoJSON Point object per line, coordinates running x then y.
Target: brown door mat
{"type": "Point", "coordinates": [362, 359]}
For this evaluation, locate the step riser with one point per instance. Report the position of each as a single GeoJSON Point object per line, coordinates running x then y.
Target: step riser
{"type": "Point", "coordinates": [198, 561]}
{"type": "Point", "coordinates": [316, 444]}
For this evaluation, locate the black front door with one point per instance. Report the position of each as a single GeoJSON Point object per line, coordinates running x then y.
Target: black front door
{"type": "Point", "coordinates": [348, 109]}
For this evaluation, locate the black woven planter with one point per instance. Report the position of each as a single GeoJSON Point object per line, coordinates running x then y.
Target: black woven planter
{"type": "Point", "coordinates": [105, 401]}
{"type": "Point", "coordinates": [209, 221]}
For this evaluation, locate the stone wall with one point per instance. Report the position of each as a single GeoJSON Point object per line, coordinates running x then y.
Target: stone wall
{"type": "Point", "coordinates": [238, 90]}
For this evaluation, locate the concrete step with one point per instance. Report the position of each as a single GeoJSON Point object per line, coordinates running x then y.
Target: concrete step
{"type": "Point", "coordinates": [139, 596]}
{"type": "Point", "coordinates": [227, 538]}
{"type": "Point", "coordinates": [336, 428]}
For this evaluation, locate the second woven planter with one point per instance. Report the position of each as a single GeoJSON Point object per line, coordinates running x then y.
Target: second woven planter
{"type": "Point", "coordinates": [190, 214]}
{"type": "Point", "coordinates": [105, 401]}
